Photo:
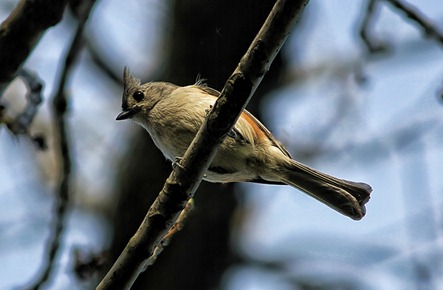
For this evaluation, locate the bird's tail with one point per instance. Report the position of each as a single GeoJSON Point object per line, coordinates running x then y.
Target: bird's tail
{"type": "Point", "coordinates": [344, 196]}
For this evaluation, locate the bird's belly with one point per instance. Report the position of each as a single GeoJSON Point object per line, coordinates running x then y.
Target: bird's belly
{"type": "Point", "coordinates": [216, 177]}
{"type": "Point", "coordinates": [230, 164]}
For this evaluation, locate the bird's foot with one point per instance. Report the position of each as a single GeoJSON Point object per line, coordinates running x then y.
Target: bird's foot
{"type": "Point", "coordinates": [176, 164]}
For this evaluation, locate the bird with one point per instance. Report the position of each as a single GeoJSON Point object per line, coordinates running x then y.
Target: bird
{"type": "Point", "coordinates": [173, 114]}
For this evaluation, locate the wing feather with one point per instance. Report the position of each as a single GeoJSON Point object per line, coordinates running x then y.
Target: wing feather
{"type": "Point", "coordinates": [252, 120]}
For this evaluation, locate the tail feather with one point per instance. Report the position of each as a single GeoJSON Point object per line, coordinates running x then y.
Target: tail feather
{"type": "Point", "coordinates": [346, 197]}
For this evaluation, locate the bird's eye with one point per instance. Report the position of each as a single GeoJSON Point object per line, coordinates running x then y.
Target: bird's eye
{"type": "Point", "coordinates": [138, 96]}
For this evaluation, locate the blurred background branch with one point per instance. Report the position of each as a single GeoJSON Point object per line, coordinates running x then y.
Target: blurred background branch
{"type": "Point", "coordinates": [60, 106]}
{"type": "Point", "coordinates": [373, 45]}
{"type": "Point", "coordinates": [22, 30]}
{"type": "Point", "coordinates": [430, 28]}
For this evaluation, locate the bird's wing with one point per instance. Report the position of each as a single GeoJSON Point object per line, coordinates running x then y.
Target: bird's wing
{"type": "Point", "coordinates": [256, 124]}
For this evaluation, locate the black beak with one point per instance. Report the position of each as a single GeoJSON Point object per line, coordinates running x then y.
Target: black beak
{"type": "Point", "coordinates": [127, 114]}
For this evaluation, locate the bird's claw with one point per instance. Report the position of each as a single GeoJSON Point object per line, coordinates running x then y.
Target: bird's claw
{"type": "Point", "coordinates": [176, 164]}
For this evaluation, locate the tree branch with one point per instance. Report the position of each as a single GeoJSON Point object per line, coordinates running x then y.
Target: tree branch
{"type": "Point", "coordinates": [178, 226]}
{"type": "Point", "coordinates": [22, 30]}
{"type": "Point", "coordinates": [60, 108]}
{"type": "Point", "coordinates": [184, 180]}
{"type": "Point", "coordinates": [411, 12]}
{"type": "Point", "coordinates": [377, 46]}
{"type": "Point", "coordinates": [373, 45]}
{"type": "Point", "coordinates": [417, 17]}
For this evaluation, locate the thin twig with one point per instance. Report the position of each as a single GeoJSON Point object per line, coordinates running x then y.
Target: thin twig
{"type": "Point", "coordinates": [411, 12]}
{"type": "Point", "coordinates": [184, 180]}
{"type": "Point", "coordinates": [100, 61]}
{"type": "Point", "coordinates": [373, 45]}
{"type": "Point", "coordinates": [178, 226]}
{"type": "Point", "coordinates": [417, 17]}
{"type": "Point", "coordinates": [60, 107]}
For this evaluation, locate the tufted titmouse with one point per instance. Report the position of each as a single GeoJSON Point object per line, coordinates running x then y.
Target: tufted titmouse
{"type": "Point", "coordinates": [172, 115]}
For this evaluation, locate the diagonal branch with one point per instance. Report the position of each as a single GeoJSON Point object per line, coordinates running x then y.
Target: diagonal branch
{"type": "Point", "coordinates": [178, 226]}
{"type": "Point", "coordinates": [417, 17]}
{"type": "Point", "coordinates": [374, 45]}
{"type": "Point", "coordinates": [21, 31]}
{"type": "Point", "coordinates": [184, 180]}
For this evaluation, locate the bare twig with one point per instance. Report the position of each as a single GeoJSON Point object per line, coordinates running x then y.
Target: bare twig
{"type": "Point", "coordinates": [411, 12]}
{"type": "Point", "coordinates": [22, 30]}
{"type": "Point", "coordinates": [98, 59]}
{"type": "Point", "coordinates": [178, 226]}
{"type": "Point", "coordinates": [417, 17]}
{"type": "Point", "coordinates": [60, 106]}
{"type": "Point", "coordinates": [182, 183]}
{"type": "Point", "coordinates": [373, 45]}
